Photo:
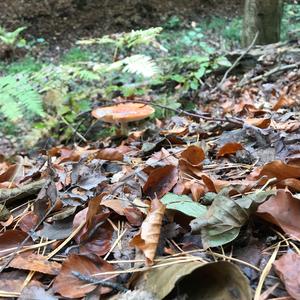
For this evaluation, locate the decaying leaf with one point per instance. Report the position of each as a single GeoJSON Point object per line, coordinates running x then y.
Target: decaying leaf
{"type": "Point", "coordinates": [160, 181]}
{"type": "Point", "coordinates": [11, 239]}
{"type": "Point", "coordinates": [194, 280]}
{"type": "Point", "coordinates": [35, 262]}
{"type": "Point", "coordinates": [287, 267]}
{"type": "Point", "coordinates": [282, 209]}
{"type": "Point", "coordinates": [229, 148]}
{"type": "Point", "coordinates": [225, 217]}
{"type": "Point", "coordinates": [147, 239]}
{"type": "Point", "coordinates": [67, 285]}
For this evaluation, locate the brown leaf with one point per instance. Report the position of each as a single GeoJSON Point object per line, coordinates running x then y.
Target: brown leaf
{"type": "Point", "coordinates": [229, 148]}
{"type": "Point", "coordinates": [147, 239]}
{"type": "Point", "coordinates": [259, 122]}
{"type": "Point", "coordinates": [282, 209]}
{"type": "Point", "coordinates": [283, 101]}
{"type": "Point", "coordinates": [134, 216]}
{"type": "Point", "coordinates": [11, 239]}
{"type": "Point", "coordinates": [28, 222]}
{"type": "Point", "coordinates": [160, 181]}
{"type": "Point", "coordinates": [287, 267]}
{"type": "Point", "coordinates": [113, 153]}
{"type": "Point", "coordinates": [276, 169]}
{"type": "Point", "coordinates": [67, 285]}
{"type": "Point", "coordinates": [12, 281]}
{"type": "Point", "coordinates": [8, 174]}
{"type": "Point", "coordinates": [194, 155]}
{"type": "Point", "coordinates": [35, 262]}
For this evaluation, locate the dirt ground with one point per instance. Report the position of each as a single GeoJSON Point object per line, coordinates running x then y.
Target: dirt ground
{"type": "Point", "coordinates": [61, 22]}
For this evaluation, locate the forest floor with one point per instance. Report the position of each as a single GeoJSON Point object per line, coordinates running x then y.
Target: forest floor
{"type": "Point", "coordinates": [205, 186]}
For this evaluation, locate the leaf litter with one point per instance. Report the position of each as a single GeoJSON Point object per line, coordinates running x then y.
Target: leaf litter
{"type": "Point", "coordinates": [205, 206]}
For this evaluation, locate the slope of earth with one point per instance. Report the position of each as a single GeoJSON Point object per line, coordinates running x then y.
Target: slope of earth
{"type": "Point", "coordinates": [62, 22]}
{"type": "Point", "coordinates": [210, 193]}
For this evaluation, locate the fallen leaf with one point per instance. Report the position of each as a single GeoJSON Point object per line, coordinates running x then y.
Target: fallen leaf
{"type": "Point", "coordinates": [147, 239]}
{"type": "Point", "coordinates": [283, 100]}
{"type": "Point", "coordinates": [229, 148]}
{"type": "Point", "coordinates": [35, 262]}
{"type": "Point", "coordinates": [11, 239]}
{"type": "Point", "coordinates": [259, 122]}
{"type": "Point", "coordinates": [282, 209]}
{"type": "Point", "coordinates": [225, 217]}
{"type": "Point", "coordinates": [160, 181]}
{"type": "Point", "coordinates": [184, 204]}
{"type": "Point", "coordinates": [276, 169]}
{"type": "Point", "coordinates": [67, 285]}
{"type": "Point", "coordinates": [195, 280]}
{"type": "Point", "coordinates": [287, 267]}
{"type": "Point", "coordinates": [194, 155]}
{"type": "Point", "coordinates": [113, 153]}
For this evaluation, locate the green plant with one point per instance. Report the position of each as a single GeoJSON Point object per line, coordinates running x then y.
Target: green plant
{"type": "Point", "coordinates": [12, 38]}
{"type": "Point", "coordinates": [173, 23]}
{"type": "Point", "coordinates": [290, 26]}
{"type": "Point", "coordinates": [18, 97]}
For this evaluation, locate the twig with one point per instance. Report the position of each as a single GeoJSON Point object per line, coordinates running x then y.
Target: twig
{"type": "Point", "coordinates": [236, 121]}
{"type": "Point", "coordinates": [73, 129]}
{"type": "Point", "coordinates": [5, 265]}
{"type": "Point", "coordinates": [89, 279]}
{"type": "Point", "coordinates": [236, 63]}
{"type": "Point", "coordinates": [272, 71]}
{"type": "Point", "coordinates": [11, 195]}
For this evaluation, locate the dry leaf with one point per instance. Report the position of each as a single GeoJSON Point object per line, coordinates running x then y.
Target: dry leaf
{"type": "Point", "coordinates": [229, 148]}
{"type": "Point", "coordinates": [282, 209]}
{"type": "Point", "coordinates": [160, 181]}
{"type": "Point", "coordinates": [287, 267]}
{"type": "Point", "coordinates": [147, 239]}
{"type": "Point", "coordinates": [35, 262]}
{"type": "Point", "coordinates": [67, 285]}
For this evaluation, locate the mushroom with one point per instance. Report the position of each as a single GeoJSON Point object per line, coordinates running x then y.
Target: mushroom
{"type": "Point", "coordinates": [123, 113]}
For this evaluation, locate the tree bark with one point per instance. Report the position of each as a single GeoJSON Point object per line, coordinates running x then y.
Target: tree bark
{"type": "Point", "coordinates": [264, 17]}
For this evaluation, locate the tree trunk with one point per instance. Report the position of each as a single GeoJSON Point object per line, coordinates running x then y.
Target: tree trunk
{"type": "Point", "coordinates": [264, 17]}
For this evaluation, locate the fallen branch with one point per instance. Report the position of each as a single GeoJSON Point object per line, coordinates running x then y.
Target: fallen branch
{"type": "Point", "coordinates": [233, 120]}
{"type": "Point", "coordinates": [89, 279]}
{"type": "Point", "coordinates": [30, 189]}
{"type": "Point", "coordinates": [235, 64]}
{"type": "Point", "coordinates": [270, 72]}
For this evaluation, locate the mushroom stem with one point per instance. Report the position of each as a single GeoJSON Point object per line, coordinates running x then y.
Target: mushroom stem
{"type": "Point", "coordinates": [124, 128]}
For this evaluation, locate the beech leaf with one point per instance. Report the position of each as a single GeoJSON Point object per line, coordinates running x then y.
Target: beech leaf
{"type": "Point", "coordinates": [184, 204]}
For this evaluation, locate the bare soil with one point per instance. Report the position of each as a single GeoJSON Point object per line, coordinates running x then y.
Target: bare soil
{"type": "Point", "coordinates": [61, 22]}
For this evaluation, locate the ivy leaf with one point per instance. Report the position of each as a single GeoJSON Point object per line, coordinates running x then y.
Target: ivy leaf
{"type": "Point", "coordinates": [225, 217]}
{"type": "Point", "coordinates": [184, 204]}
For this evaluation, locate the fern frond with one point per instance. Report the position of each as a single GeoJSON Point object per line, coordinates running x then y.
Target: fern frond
{"type": "Point", "coordinates": [141, 65]}
{"type": "Point", "coordinates": [18, 96]}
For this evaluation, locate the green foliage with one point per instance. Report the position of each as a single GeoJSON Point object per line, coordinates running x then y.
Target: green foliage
{"type": "Point", "coordinates": [184, 204]}
{"type": "Point", "coordinates": [128, 40]}
{"type": "Point", "coordinates": [173, 23]}
{"type": "Point", "coordinates": [75, 55]}
{"type": "Point", "coordinates": [27, 64]}
{"type": "Point", "coordinates": [290, 26]}
{"type": "Point", "coordinates": [12, 38]}
{"type": "Point", "coordinates": [19, 97]}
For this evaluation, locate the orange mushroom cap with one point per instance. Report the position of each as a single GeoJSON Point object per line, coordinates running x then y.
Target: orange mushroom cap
{"type": "Point", "coordinates": [123, 113]}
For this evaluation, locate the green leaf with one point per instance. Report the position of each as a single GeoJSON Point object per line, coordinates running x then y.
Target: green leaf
{"type": "Point", "coordinates": [226, 216]}
{"type": "Point", "coordinates": [184, 204]}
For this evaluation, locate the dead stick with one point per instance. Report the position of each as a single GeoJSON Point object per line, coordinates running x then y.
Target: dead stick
{"type": "Point", "coordinates": [235, 63]}
{"type": "Point", "coordinates": [30, 189]}
{"type": "Point", "coordinates": [272, 71]}
{"type": "Point", "coordinates": [104, 283]}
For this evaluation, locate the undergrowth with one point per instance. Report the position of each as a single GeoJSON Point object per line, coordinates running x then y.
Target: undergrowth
{"type": "Point", "coordinates": [165, 65]}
